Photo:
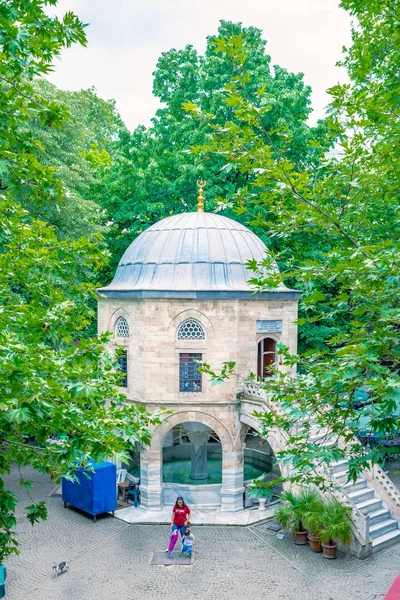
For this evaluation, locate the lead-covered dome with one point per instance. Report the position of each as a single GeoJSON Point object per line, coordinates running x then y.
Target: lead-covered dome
{"type": "Point", "coordinates": [190, 252]}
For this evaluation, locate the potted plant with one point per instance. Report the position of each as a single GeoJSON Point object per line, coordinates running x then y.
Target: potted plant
{"type": "Point", "coordinates": [262, 490]}
{"type": "Point", "coordinates": [335, 527]}
{"type": "Point", "coordinates": [293, 511]}
{"type": "Point", "coordinates": [313, 521]}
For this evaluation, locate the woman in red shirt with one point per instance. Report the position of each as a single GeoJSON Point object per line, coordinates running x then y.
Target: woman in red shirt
{"type": "Point", "coordinates": [180, 516]}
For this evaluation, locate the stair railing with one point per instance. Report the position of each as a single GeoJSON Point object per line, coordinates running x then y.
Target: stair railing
{"type": "Point", "coordinates": [252, 389]}
{"type": "Point", "coordinates": [385, 488]}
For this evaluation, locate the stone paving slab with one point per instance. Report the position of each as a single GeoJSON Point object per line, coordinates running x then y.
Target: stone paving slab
{"type": "Point", "coordinates": [175, 559]}
{"type": "Point", "coordinates": [111, 558]}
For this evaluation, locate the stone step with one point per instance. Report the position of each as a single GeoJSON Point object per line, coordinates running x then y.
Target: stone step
{"type": "Point", "coordinates": [388, 539]}
{"type": "Point", "coordinates": [360, 495]}
{"type": "Point", "coordinates": [369, 505]}
{"type": "Point", "coordinates": [340, 465]}
{"type": "Point", "coordinates": [341, 476]}
{"type": "Point", "coordinates": [383, 527]}
{"type": "Point", "coordinates": [380, 514]}
{"type": "Point", "coordinates": [359, 484]}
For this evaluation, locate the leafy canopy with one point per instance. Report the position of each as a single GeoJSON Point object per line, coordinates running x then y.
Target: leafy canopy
{"type": "Point", "coordinates": [337, 220]}
{"type": "Point", "coordinates": [59, 402]}
{"type": "Point", "coordinates": [155, 174]}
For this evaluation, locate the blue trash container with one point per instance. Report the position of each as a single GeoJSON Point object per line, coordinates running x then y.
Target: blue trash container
{"type": "Point", "coordinates": [3, 577]}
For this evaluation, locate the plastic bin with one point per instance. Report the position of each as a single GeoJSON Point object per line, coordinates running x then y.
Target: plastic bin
{"type": "Point", "coordinates": [93, 492]}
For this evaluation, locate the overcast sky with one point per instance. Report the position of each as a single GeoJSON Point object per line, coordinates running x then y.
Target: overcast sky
{"type": "Point", "coordinates": [126, 37]}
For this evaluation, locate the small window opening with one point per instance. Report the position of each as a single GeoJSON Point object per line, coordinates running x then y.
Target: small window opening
{"type": "Point", "coordinates": [122, 327]}
{"type": "Point", "coordinates": [122, 366]}
{"type": "Point", "coordinates": [265, 357]}
{"type": "Point", "coordinates": [189, 374]}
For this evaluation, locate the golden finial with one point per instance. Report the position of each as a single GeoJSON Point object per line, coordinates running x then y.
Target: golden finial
{"type": "Point", "coordinates": [200, 198]}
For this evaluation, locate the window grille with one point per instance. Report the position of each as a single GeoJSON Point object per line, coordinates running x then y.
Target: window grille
{"type": "Point", "coordinates": [189, 373]}
{"type": "Point", "coordinates": [122, 327]}
{"type": "Point", "coordinates": [122, 366]}
{"type": "Point", "coordinates": [191, 330]}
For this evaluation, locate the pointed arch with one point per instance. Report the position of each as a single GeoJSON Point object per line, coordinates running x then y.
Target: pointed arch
{"type": "Point", "coordinates": [191, 329]}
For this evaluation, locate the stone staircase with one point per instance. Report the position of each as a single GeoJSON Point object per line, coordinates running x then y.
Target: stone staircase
{"type": "Point", "coordinates": [383, 526]}
{"type": "Point", "coordinates": [374, 498]}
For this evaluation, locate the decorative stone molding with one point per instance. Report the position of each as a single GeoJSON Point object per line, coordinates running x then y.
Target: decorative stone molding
{"type": "Point", "coordinates": [190, 313]}
{"type": "Point", "coordinates": [120, 312]}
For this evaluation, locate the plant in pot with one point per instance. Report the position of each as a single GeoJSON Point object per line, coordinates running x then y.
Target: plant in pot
{"type": "Point", "coordinates": [313, 520]}
{"type": "Point", "coordinates": [262, 490]}
{"type": "Point", "coordinates": [335, 527]}
{"type": "Point", "coordinates": [295, 506]}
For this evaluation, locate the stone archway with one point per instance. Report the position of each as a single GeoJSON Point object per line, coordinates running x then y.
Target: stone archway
{"type": "Point", "coordinates": [276, 439]}
{"type": "Point", "coordinates": [232, 462]}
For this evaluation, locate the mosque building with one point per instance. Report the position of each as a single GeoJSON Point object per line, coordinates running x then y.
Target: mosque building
{"type": "Point", "coordinates": [180, 296]}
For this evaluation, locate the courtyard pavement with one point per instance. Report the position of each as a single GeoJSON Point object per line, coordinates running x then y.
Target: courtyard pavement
{"type": "Point", "coordinates": [112, 559]}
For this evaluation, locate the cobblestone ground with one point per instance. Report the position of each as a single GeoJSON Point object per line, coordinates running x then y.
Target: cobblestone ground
{"type": "Point", "coordinates": [111, 559]}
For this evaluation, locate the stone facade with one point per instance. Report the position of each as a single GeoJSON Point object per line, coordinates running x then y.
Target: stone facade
{"type": "Point", "coordinates": [153, 372]}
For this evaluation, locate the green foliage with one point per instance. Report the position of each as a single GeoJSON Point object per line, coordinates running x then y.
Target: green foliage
{"type": "Point", "coordinates": [53, 381]}
{"type": "Point", "coordinates": [295, 507]}
{"type": "Point", "coordinates": [314, 517]}
{"type": "Point", "coordinates": [259, 488]}
{"type": "Point", "coordinates": [29, 41]}
{"type": "Point", "coordinates": [79, 150]}
{"type": "Point", "coordinates": [59, 403]}
{"type": "Point", "coordinates": [336, 220]}
{"type": "Point", "coordinates": [335, 525]}
{"type": "Point", "coordinates": [155, 175]}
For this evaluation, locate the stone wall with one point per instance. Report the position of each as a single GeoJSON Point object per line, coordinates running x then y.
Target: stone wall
{"type": "Point", "coordinates": [153, 373]}
{"type": "Point", "coordinates": [153, 351]}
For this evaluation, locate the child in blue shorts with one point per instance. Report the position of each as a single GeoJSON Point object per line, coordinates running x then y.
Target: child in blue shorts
{"type": "Point", "coordinates": [187, 542]}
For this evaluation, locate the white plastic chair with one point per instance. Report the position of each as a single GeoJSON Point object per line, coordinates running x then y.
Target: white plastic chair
{"type": "Point", "coordinates": [121, 474]}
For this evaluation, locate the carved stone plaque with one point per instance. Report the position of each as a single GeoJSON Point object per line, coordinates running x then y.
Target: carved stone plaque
{"type": "Point", "coordinates": [269, 326]}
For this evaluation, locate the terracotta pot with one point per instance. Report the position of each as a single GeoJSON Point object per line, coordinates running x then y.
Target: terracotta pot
{"type": "Point", "coordinates": [315, 543]}
{"type": "Point", "coordinates": [329, 551]}
{"type": "Point", "coordinates": [300, 538]}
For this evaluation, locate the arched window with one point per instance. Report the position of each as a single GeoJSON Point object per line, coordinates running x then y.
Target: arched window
{"type": "Point", "coordinates": [265, 357]}
{"type": "Point", "coordinates": [121, 327]}
{"type": "Point", "coordinates": [191, 330]}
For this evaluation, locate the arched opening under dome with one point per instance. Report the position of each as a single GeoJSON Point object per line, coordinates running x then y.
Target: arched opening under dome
{"type": "Point", "coordinates": [155, 492]}
{"type": "Point", "coordinates": [259, 455]}
{"type": "Point", "coordinates": [192, 454]}
{"type": "Point", "coordinates": [191, 460]}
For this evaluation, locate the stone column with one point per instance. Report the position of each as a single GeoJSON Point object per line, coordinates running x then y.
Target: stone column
{"type": "Point", "coordinates": [199, 441]}
{"type": "Point", "coordinates": [232, 489]}
{"type": "Point", "coordinates": [150, 479]}
{"type": "Point", "coordinates": [199, 435]}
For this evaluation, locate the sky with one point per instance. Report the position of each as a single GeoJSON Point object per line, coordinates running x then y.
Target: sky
{"type": "Point", "coordinates": [126, 38]}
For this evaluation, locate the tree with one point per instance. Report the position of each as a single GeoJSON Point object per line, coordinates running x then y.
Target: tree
{"type": "Point", "coordinates": [78, 149]}
{"type": "Point", "coordinates": [156, 174]}
{"type": "Point", "coordinates": [59, 402]}
{"type": "Point", "coordinates": [341, 213]}
{"type": "Point", "coordinates": [54, 382]}
{"type": "Point", "coordinates": [29, 42]}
